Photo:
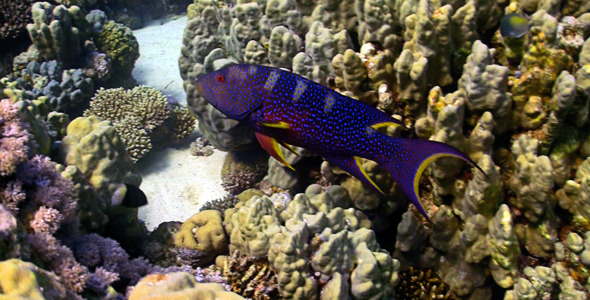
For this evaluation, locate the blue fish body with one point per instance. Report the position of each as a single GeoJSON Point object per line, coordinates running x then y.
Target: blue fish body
{"type": "Point", "coordinates": [287, 109]}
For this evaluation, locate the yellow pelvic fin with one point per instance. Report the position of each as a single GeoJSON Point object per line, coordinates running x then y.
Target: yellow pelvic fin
{"type": "Point", "coordinates": [291, 149]}
{"type": "Point", "coordinates": [358, 164]}
{"type": "Point", "coordinates": [280, 124]}
{"type": "Point", "coordinates": [272, 147]}
{"type": "Point", "coordinates": [384, 124]}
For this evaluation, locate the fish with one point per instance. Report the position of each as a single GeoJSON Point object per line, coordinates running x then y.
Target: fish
{"type": "Point", "coordinates": [128, 195]}
{"type": "Point", "coordinates": [514, 25]}
{"type": "Point", "coordinates": [286, 109]}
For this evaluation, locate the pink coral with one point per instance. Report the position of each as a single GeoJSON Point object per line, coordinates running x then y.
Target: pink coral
{"type": "Point", "coordinates": [46, 220]}
{"type": "Point", "coordinates": [12, 195]}
{"type": "Point", "coordinates": [13, 138]}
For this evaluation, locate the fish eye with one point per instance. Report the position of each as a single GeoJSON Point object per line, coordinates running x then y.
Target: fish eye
{"type": "Point", "coordinates": [219, 78]}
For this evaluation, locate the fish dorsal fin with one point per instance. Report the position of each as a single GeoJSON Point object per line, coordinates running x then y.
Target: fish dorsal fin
{"type": "Point", "coordinates": [385, 124]}
{"type": "Point", "coordinates": [352, 165]}
{"type": "Point", "coordinates": [279, 124]}
{"type": "Point", "coordinates": [272, 147]}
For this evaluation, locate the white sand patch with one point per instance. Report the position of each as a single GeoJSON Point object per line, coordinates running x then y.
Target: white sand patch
{"type": "Point", "coordinates": [175, 182]}
{"type": "Point", "coordinates": [159, 50]}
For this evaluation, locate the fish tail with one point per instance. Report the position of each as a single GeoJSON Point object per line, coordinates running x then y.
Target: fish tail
{"type": "Point", "coordinates": [408, 158]}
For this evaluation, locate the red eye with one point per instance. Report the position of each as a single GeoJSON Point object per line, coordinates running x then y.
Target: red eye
{"type": "Point", "coordinates": [219, 78]}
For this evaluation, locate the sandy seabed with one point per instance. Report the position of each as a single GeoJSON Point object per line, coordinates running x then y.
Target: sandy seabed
{"type": "Point", "coordinates": [175, 182]}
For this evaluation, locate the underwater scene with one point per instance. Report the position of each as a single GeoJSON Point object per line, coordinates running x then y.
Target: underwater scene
{"type": "Point", "coordinates": [295, 149]}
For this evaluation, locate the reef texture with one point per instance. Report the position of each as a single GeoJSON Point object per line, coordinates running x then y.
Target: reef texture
{"type": "Point", "coordinates": [58, 32]}
{"type": "Point", "coordinates": [95, 148]}
{"type": "Point", "coordinates": [14, 17]}
{"type": "Point", "coordinates": [450, 71]}
{"type": "Point", "coordinates": [140, 115]}
{"type": "Point", "coordinates": [314, 242]}
{"type": "Point", "coordinates": [518, 106]}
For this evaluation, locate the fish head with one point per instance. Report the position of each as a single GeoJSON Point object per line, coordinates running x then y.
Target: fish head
{"type": "Point", "coordinates": [514, 25]}
{"type": "Point", "coordinates": [229, 90]}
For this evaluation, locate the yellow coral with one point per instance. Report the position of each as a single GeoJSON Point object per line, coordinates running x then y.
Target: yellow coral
{"type": "Point", "coordinates": [204, 232]}
{"type": "Point", "coordinates": [24, 280]}
{"type": "Point", "coordinates": [179, 286]}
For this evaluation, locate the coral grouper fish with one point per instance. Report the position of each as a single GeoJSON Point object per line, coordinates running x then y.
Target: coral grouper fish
{"type": "Point", "coordinates": [287, 109]}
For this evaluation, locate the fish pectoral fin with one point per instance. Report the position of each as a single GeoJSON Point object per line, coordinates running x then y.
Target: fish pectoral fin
{"type": "Point", "coordinates": [272, 147]}
{"type": "Point", "coordinates": [280, 124]}
{"type": "Point", "coordinates": [352, 165]}
{"type": "Point", "coordinates": [290, 148]}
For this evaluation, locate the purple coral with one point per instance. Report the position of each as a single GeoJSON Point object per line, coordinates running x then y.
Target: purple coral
{"type": "Point", "coordinates": [46, 187]}
{"type": "Point", "coordinates": [93, 250]}
{"type": "Point", "coordinates": [60, 259]}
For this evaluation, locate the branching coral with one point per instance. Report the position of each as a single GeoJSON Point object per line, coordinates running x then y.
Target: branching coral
{"type": "Point", "coordinates": [43, 202]}
{"type": "Point", "coordinates": [421, 284]}
{"type": "Point", "coordinates": [139, 115]}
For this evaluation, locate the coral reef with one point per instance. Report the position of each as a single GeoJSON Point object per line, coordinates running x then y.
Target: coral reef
{"type": "Point", "coordinates": [119, 44]}
{"type": "Point", "coordinates": [343, 244]}
{"type": "Point", "coordinates": [179, 285]}
{"type": "Point", "coordinates": [15, 15]}
{"type": "Point", "coordinates": [517, 105]}
{"type": "Point", "coordinates": [251, 278]}
{"type": "Point", "coordinates": [58, 32]}
{"type": "Point", "coordinates": [203, 232]}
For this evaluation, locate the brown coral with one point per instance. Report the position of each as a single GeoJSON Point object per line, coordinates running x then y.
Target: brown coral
{"type": "Point", "coordinates": [14, 16]}
{"type": "Point", "coordinates": [135, 113]}
{"type": "Point", "coordinates": [422, 284]}
{"type": "Point", "coordinates": [252, 278]}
